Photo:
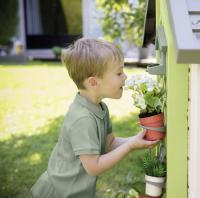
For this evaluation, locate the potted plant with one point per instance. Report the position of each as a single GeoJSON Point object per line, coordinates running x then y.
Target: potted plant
{"type": "Point", "coordinates": [134, 194]}
{"type": "Point", "coordinates": [57, 52]}
{"type": "Point", "coordinates": [155, 174]}
{"type": "Point", "coordinates": [149, 96]}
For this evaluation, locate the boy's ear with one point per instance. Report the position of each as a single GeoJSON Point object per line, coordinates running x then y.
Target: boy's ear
{"type": "Point", "coordinates": [92, 81]}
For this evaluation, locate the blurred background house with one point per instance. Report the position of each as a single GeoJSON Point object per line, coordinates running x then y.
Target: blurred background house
{"type": "Point", "coordinates": [46, 25]}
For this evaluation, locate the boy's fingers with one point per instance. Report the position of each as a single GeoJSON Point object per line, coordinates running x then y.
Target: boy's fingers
{"type": "Point", "coordinates": [153, 142]}
{"type": "Point", "coordinates": [142, 133]}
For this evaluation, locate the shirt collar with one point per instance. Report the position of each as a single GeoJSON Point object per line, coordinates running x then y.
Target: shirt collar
{"type": "Point", "coordinates": [99, 111]}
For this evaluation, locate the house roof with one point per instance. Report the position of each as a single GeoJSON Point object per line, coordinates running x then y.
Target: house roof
{"type": "Point", "coordinates": [184, 16]}
{"type": "Point", "coordinates": [185, 20]}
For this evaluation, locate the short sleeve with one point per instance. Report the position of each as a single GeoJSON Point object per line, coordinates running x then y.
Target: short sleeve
{"type": "Point", "coordinates": [84, 137]}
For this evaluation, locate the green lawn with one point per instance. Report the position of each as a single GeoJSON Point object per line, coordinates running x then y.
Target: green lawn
{"type": "Point", "coordinates": [33, 101]}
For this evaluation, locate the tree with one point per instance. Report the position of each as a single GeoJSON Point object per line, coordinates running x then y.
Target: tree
{"type": "Point", "coordinates": [122, 19]}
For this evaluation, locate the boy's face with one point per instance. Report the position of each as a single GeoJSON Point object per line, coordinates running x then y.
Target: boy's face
{"type": "Point", "coordinates": [112, 82]}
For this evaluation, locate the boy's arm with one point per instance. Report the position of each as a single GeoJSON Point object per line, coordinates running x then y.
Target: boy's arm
{"type": "Point", "coordinates": [113, 142]}
{"type": "Point", "coordinates": [97, 164]}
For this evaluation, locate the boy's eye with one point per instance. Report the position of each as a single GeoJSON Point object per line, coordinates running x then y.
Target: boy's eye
{"type": "Point", "coordinates": [119, 73]}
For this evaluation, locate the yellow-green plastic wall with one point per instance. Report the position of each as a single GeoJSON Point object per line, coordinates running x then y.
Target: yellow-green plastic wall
{"type": "Point", "coordinates": [176, 111]}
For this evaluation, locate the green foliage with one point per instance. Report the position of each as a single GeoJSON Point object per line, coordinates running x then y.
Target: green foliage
{"type": "Point", "coordinates": [121, 20]}
{"type": "Point", "coordinates": [8, 20]}
{"type": "Point", "coordinates": [153, 101]}
{"type": "Point", "coordinates": [153, 166]}
{"type": "Point", "coordinates": [132, 193]}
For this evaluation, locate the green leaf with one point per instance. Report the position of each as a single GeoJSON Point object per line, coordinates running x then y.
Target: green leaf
{"type": "Point", "coordinates": [133, 193]}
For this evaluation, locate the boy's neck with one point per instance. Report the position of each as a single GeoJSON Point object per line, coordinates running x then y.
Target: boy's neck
{"type": "Point", "coordinates": [90, 96]}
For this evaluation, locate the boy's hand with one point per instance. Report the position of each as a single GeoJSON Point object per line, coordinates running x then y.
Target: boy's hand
{"type": "Point", "coordinates": [138, 141]}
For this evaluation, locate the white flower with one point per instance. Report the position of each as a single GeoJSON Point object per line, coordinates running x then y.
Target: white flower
{"type": "Point", "coordinates": [129, 82]}
{"type": "Point", "coordinates": [151, 85]}
{"type": "Point", "coordinates": [150, 88]}
{"type": "Point", "coordinates": [139, 101]}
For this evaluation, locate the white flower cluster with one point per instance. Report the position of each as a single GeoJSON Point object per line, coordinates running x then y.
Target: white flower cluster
{"type": "Point", "coordinates": [146, 92]}
{"type": "Point", "coordinates": [136, 80]}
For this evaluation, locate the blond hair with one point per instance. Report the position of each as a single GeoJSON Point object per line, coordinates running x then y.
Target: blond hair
{"type": "Point", "coordinates": [89, 57]}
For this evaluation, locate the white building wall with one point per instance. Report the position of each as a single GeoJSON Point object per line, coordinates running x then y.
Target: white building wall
{"type": "Point", "coordinates": [194, 132]}
{"type": "Point", "coordinates": [20, 36]}
{"type": "Point", "coordinates": [91, 24]}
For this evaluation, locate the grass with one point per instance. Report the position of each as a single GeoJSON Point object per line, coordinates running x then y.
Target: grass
{"type": "Point", "coordinates": [33, 101]}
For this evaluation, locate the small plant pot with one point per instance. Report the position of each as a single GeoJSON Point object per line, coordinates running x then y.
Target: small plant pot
{"type": "Point", "coordinates": [154, 185]}
{"type": "Point", "coordinates": [155, 127]}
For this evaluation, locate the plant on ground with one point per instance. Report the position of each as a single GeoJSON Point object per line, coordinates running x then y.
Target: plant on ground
{"type": "Point", "coordinates": [57, 50]}
{"type": "Point", "coordinates": [132, 193]}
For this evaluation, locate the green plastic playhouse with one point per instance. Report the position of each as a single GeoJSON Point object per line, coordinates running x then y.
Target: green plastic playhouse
{"type": "Point", "coordinates": [174, 26]}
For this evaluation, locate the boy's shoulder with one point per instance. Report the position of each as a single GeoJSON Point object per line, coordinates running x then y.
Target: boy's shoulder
{"type": "Point", "coordinates": [77, 112]}
{"type": "Point", "coordinates": [82, 109]}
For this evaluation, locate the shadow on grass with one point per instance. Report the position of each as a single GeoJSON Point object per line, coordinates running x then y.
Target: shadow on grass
{"type": "Point", "coordinates": [24, 158]}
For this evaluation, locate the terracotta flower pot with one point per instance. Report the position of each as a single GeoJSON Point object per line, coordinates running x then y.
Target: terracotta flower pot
{"type": "Point", "coordinates": [153, 124]}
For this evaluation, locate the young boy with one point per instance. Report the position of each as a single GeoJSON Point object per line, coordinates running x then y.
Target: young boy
{"type": "Point", "coordinates": [86, 146]}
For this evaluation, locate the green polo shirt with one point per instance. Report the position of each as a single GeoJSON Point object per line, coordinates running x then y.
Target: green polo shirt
{"type": "Point", "coordinates": [84, 131]}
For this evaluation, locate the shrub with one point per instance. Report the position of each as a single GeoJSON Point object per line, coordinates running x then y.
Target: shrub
{"type": "Point", "coordinates": [57, 51]}
{"type": "Point", "coordinates": [8, 20]}
{"type": "Point", "coordinates": [122, 19]}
